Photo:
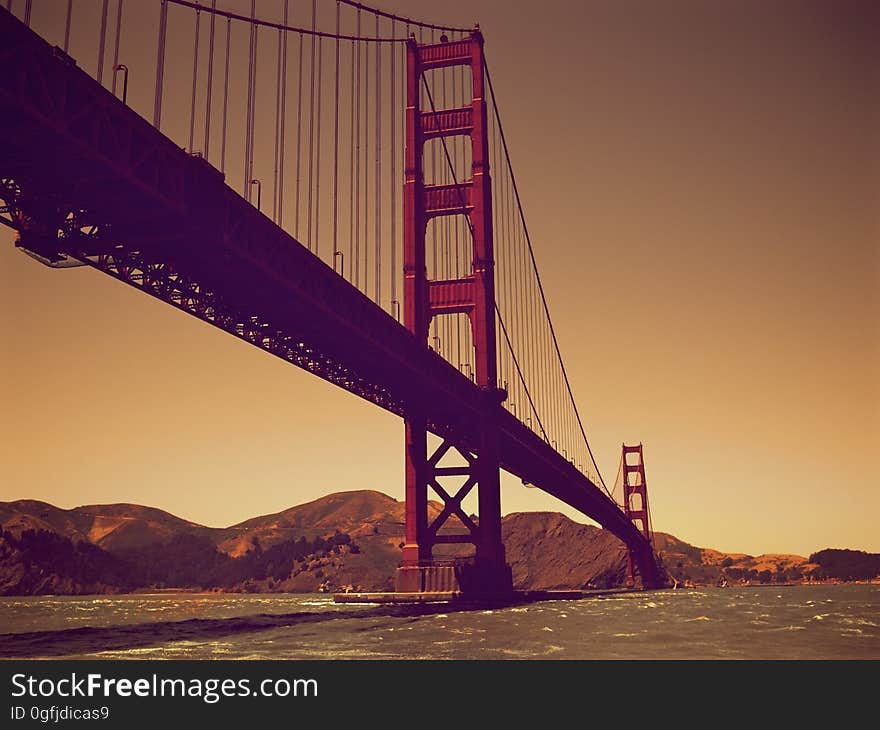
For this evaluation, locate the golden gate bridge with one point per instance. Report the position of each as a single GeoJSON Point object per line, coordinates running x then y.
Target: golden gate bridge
{"type": "Point", "coordinates": [332, 184]}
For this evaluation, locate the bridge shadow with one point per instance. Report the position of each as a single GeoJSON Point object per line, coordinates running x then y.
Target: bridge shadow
{"type": "Point", "coordinates": [93, 639]}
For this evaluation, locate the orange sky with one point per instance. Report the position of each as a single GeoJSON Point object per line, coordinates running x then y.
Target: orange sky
{"type": "Point", "coordinates": [702, 185]}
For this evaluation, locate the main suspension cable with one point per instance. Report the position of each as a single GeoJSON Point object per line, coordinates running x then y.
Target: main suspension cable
{"type": "Point", "coordinates": [538, 279]}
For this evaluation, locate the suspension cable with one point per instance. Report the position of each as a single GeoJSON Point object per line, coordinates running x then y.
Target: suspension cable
{"type": "Point", "coordinates": [378, 282]}
{"type": "Point", "coordinates": [66, 23]}
{"type": "Point", "coordinates": [393, 146]}
{"type": "Point", "coordinates": [298, 135]}
{"type": "Point", "coordinates": [281, 26]}
{"type": "Point", "coordinates": [336, 151]}
{"type": "Point", "coordinates": [283, 134]}
{"type": "Point", "coordinates": [357, 160]}
{"type": "Point", "coordinates": [311, 131]}
{"type": "Point", "coordinates": [192, 111]}
{"type": "Point", "coordinates": [160, 65]}
{"type": "Point", "coordinates": [249, 130]}
{"type": "Point", "coordinates": [225, 98]}
{"type": "Point", "coordinates": [103, 37]}
{"type": "Point", "coordinates": [210, 82]}
{"type": "Point", "coordinates": [471, 227]}
{"type": "Point", "coordinates": [318, 143]}
{"type": "Point", "coordinates": [408, 21]}
{"type": "Point", "coordinates": [275, 176]}
{"type": "Point", "coordinates": [538, 279]}
{"type": "Point", "coordinates": [116, 42]}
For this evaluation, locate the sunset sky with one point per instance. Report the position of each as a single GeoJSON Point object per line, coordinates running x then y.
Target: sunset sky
{"type": "Point", "coordinates": [702, 186]}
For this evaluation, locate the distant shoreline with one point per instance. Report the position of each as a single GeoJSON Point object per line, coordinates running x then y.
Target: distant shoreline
{"type": "Point", "coordinates": [194, 592]}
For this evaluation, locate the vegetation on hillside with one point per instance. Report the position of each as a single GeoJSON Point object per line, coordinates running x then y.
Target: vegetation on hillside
{"type": "Point", "coordinates": [311, 547]}
{"type": "Point", "coordinates": [39, 561]}
{"type": "Point", "coordinates": [847, 564]}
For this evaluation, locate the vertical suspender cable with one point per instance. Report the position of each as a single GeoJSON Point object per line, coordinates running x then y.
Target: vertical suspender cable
{"type": "Point", "coordinates": [27, 13]}
{"type": "Point", "coordinates": [513, 314]}
{"type": "Point", "coordinates": [254, 107]}
{"type": "Point", "coordinates": [455, 222]}
{"type": "Point", "coordinates": [503, 277]}
{"type": "Point", "coordinates": [435, 321]}
{"type": "Point", "coordinates": [366, 168]}
{"type": "Point", "coordinates": [336, 150]}
{"type": "Point", "coordinates": [533, 346]}
{"type": "Point", "coordinates": [357, 156]}
{"type": "Point", "coordinates": [318, 144]}
{"type": "Point", "coordinates": [277, 128]}
{"type": "Point", "coordinates": [541, 290]}
{"type": "Point", "coordinates": [248, 138]}
{"type": "Point", "coordinates": [116, 44]}
{"type": "Point", "coordinates": [101, 42]}
{"type": "Point", "coordinates": [393, 149]}
{"type": "Point", "coordinates": [403, 81]}
{"type": "Point", "coordinates": [351, 234]}
{"type": "Point", "coordinates": [210, 81]}
{"type": "Point", "coordinates": [449, 322]}
{"type": "Point", "coordinates": [378, 298]}
{"type": "Point", "coordinates": [522, 342]}
{"type": "Point", "coordinates": [532, 334]}
{"type": "Point", "coordinates": [283, 119]}
{"type": "Point", "coordinates": [547, 377]}
{"type": "Point", "coordinates": [548, 380]}
{"type": "Point", "coordinates": [160, 65]}
{"type": "Point", "coordinates": [192, 109]}
{"type": "Point", "coordinates": [523, 337]}
{"type": "Point", "coordinates": [225, 97]}
{"type": "Point", "coordinates": [298, 137]}
{"type": "Point", "coordinates": [530, 329]}
{"type": "Point", "coordinates": [311, 130]}
{"type": "Point", "coordinates": [66, 23]}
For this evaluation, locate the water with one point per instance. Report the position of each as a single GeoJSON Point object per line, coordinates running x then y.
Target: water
{"type": "Point", "coordinates": [792, 622]}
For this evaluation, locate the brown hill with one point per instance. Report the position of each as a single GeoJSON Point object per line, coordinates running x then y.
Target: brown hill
{"type": "Point", "coordinates": [362, 513]}
{"type": "Point", "coordinates": [546, 550]}
{"type": "Point", "coordinates": [704, 566]}
{"type": "Point", "coordinates": [110, 526]}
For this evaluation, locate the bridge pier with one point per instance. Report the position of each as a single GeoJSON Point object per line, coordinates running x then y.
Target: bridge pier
{"type": "Point", "coordinates": [486, 571]}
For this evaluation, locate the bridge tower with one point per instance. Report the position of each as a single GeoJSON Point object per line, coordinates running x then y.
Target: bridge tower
{"type": "Point", "coordinates": [635, 501]}
{"type": "Point", "coordinates": [425, 299]}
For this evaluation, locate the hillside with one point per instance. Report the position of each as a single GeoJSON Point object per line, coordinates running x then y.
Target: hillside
{"type": "Point", "coordinates": [143, 536]}
{"type": "Point", "coordinates": [546, 550]}
{"type": "Point", "coordinates": [363, 514]}
{"type": "Point", "coordinates": [703, 566]}
{"type": "Point", "coordinates": [109, 526]}
{"type": "Point", "coordinates": [344, 540]}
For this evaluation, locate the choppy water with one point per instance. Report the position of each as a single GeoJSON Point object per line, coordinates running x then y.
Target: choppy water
{"type": "Point", "coordinates": [796, 622]}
